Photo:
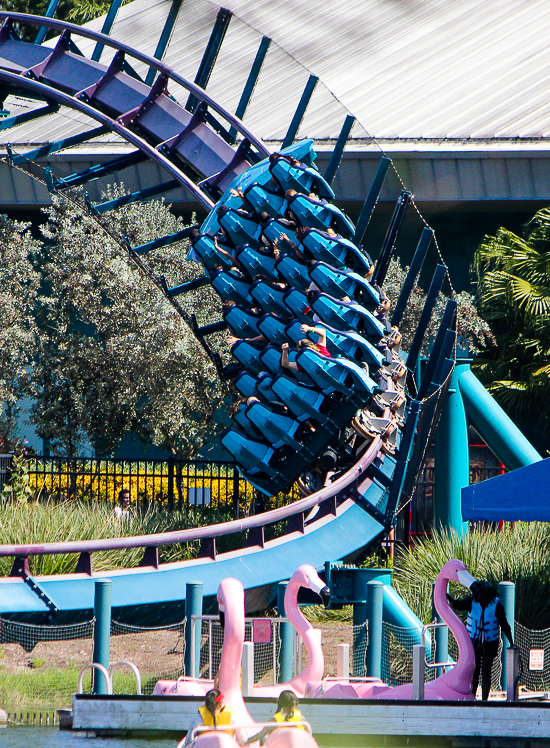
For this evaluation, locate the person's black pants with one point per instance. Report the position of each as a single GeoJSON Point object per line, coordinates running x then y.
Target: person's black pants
{"type": "Point", "coordinates": [485, 653]}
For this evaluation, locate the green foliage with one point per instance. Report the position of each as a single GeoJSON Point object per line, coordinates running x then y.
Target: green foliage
{"type": "Point", "coordinates": [513, 289]}
{"type": "Point", "coordinates": [519, 554]}
{"type": "Point", "coordinates": [76, 11]}
{"type": "Point", "coordinates": [18, 489]}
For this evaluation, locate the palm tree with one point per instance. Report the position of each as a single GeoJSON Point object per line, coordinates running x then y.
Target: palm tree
{"type": "Point", "coordinates": [513, 292]}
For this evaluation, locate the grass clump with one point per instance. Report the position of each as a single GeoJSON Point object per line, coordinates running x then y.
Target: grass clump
{"type": "Point", "coordinates": [519, 554]}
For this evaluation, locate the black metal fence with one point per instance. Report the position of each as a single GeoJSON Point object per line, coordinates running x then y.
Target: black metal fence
{"type": "Point", "coordinates": [212, 487]}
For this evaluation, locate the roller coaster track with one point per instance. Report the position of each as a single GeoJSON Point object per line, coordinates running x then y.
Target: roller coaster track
{"type": "Point", "coordinates": [200, 154]}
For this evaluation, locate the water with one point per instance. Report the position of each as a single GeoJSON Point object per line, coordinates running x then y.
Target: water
{"type": "Point", "coordinates": [52, 737]}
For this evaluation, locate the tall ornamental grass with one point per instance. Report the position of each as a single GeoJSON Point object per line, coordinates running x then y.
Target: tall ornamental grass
{"type": "Point", "coordinates": [44, 522]}
{"type": "Point", "coordinates": [519, 554]}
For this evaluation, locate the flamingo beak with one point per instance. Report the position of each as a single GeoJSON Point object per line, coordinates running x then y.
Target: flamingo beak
{"type": "Point", "coordinates": [325, 596]}
{"type": "Point", "coordinates": [222, 615]}
{"type": "Point", "coordinates": [318, 586]}
{"type": "Point", "coordinates": [465, 578]}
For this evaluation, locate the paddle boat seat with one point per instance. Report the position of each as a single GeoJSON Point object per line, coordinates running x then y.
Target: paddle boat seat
{"type": "Point", "coordinates": [262, 199]}
{"type": "Point", "coordinates": [274, 229]}
{"type": "Point", "coordinates": [300, 178]}
{"type": "Point", "coordinates": [204, 247]}
{"type": "Point", "coordinates": [347, 316]}
{"type": "Point", "coordinates": [338, 283]}
{"type": "Point", "coordinates": [269, 296]}
{"type": "Point", "coordinates": [242, 322]}
{"type": "Point", "coordinates": [293, 271]}
{"type": "Point", "coordinates": [298, 305]}
{"type": "Point", "coordinates": [335, 251]}
{"type": "Point", "coordinates": [246, 384]}
{"type": "Point", "coordinates": [276, 428]}
{"type": "Point", "coordinates": [241, 230]}
{"type": "Point", "coordinates": [274, 327]}
{"type": "Point", "coordinates": [319, 215]}
{"type": "Point", "coordinates": [337, 374]}
{"type": "Point", "coordinates": [256, 262]}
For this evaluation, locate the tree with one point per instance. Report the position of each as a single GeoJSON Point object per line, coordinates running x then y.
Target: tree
{"type": "Point", "coordinates": [513, 291]}
{"type": "Point", "coordinates": [19, 283]}
{"type": "Point", "coordinates": [76, 11]}
{"type": "Point", "coordinates": [114, 355]}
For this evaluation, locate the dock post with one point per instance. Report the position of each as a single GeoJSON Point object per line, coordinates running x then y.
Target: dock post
{"type": "Point", "coordinates": [507, 596]}
{"type": "Point", "coordinates": [193, 607]}
{"type": "Point", "coordinates": [512, 673]}
{"type": "Point", "coordinates": [342, 661]}
{"type": "Point", "coordinates": [359, 639]}
{"type": "Point", "coordinates": [102, 631]}
{"type": "Point", "coordinates": [419, 655]}
{"type": "Point", "coordinates": [248, 669]}
{"type": "Point", "coordinates": [375, 591]}
{"type": "Point", "coordinates": [286, 655]}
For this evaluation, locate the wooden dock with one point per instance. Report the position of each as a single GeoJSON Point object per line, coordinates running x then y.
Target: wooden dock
{"type": "Point", "coordinates": [338, 722]}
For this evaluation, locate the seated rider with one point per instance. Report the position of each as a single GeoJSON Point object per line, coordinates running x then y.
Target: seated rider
{"type": "Point", "coordinates": [286, 712]}
{"type": "Point", "coordinates": [486, 616]}
{"type": "Point", "coordinates": [212, 714]}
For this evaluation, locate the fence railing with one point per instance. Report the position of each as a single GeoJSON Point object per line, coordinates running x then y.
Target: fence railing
{"type": "Point", "coordinates": [214, 487]}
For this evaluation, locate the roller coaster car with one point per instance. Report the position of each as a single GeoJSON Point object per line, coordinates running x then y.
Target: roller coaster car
{"type": "Point", "coordinates": [338, 283]}
{"type": "Point", "coordinates": [344, 316]}
{"type": "Point", "coordinates": [300, 178]}
{"type": "Point", "coordinates": [242, 322]}
{"type": "Point", "coordinates": [204, 247]}
{"type": "Point", "coordinates": [262, 199]}
{"type": "Point", "coordinates": [277, 428]}
{"type": "Point", "coordinates": [273, 326]}
{"type": "Point", "coordinates": [341, 375]}
{"type": "Point", "coordinates": [336, 251]}
{"type": "Point", "coordinates": [319, 215]}
{"type": "Point", "coordinates": [351, 345]}
{"type": "Point", "coordinates": [256, 262]}
{"type": "Point", "coordinates": [293, 271]}
{"type": "Point", "coordinates": [241, 230]}
{"type": "Point", "coordinates": [273, 230]}
{"type": "Point", "coordinates": [269, 296]}
{"type": "Point", "coordinates": [232, 287]}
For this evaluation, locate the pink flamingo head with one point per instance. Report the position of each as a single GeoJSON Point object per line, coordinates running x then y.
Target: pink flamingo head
{"type": "Point", "coordinates": [455, 571]}
{"type": "Point", "coordinates": [306, 576]}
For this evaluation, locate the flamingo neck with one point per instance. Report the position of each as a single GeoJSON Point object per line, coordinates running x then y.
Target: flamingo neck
{"type": "Point", "coordinates": [309, 637]}
{"type": "Point", "coordinates": [458, 629]}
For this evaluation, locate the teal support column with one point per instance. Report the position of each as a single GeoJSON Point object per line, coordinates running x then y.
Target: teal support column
{"type": "Point", "coordinates": [193, 607]}
{"type": "Point", "coordinates": [507, 596]}
{"type": "Point", "coordinates": [452, 469]}
{"type": "Point", "coordinates": [441, 639]}
{"type": "Point", "coordinates": [359, 640]}
{"type": "Point", "coordinates": [497, 429]}
{"type": "Point", "coordinates": [375, 591]}
{"type": "Point", "coordinates": [102, 631]}
{"type": "Point", "coordinates": [286, 653]}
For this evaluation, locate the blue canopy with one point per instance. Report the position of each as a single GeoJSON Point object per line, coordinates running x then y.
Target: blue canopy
{"type": "Point", "coordinates": [522, 495]}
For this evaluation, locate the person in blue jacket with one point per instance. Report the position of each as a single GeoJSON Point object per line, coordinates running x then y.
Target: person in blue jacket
{"type": "Point", "coordinates": [486, 617]}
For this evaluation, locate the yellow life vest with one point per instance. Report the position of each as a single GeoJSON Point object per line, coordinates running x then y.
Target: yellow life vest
{"type": "Point", "coordinates": [223, 718]}
{"type": "Point", "coordinates": [295, 717]}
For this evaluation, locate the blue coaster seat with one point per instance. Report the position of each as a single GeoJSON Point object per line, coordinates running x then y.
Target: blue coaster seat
{"type": "Point", "coordinates": [263, 386]}
{"type": "Point", "coordinates": [204, 247]}
{"type": "Point", "coordinates": [278, 429]}
{"type": "Point", "coordinates": [274, 327]}
{"type": "Point", "coordinates": [262, 199]}
{"type": "Point", "coordinates": [318, 215]}
{"type": "Point", "coordinates": [336, 251]}
{"type": "Point", "coordinates": [242, 322]}
{"type": "Point", "coordinates": [246, 384]}
{"type": "Point", "coordinates": [256, 262]}
{"type": "Point", "coordinates": [245, 424]}
{"type": "Point", "coordinates": [232, 287]}
{"type": "Point", "coordinates": [347, 316]}
{"type": "Point", "coordinates": [304, 400]}
{"type": "Point", "coordinates": [298, 305]}
{"type": "Point", "coordinates": [341, 375]}
{"type": "Point", "coordinates": [248, 354]}
{"type": "Point", "coordinates": [293, 271]}
{"type": "Point", "coordinates": [269, 296]}
{"type": "Point", "coordinates": [300, 178]}
{"type": "Point", "coordinates": [339, 283]}
{"type": "Point", "coordinates": [274, 229]}
{"type": "Point", "coordinates": [350, 345]}
{"type": "Point", "coordinates": [252, 454]}
{"type": "Point", "coordinates": [241, 230]}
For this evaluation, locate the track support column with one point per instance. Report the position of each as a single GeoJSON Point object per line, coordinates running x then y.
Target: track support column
{"type": "Point", "coordinates": [507, 596]}
{"type": "Point", "coordinates": [452, 469]}
{"type": "Point", "coordinates": [286, 655]}
{"type": "Point", "coordinates": [193, 607]}
{"type": "Point", "coordinates": [375, 592]}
